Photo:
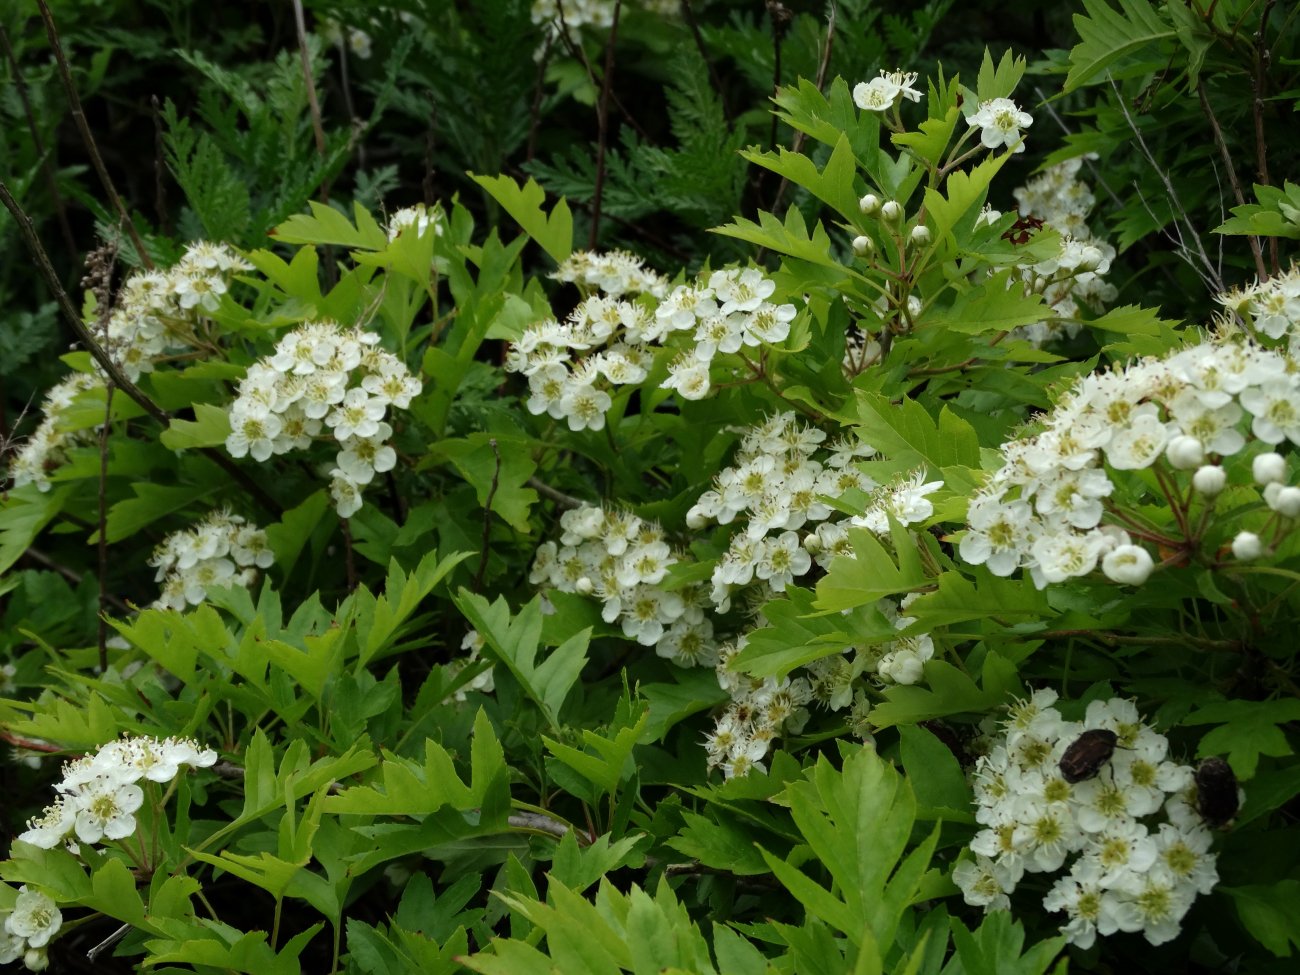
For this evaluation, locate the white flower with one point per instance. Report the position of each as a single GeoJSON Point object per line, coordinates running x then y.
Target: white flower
{"type": "Point", "coordinates": [357, 416]}
{"type": "Point", "coordinates": [584, 406]}
{"type": "Point", "coordinates": [1247, 546]}
{"type": "Point", "coordinates": [346, 494]}
{"type": "Point", "coordinates": [1001, 120]}
{"type": "Point", "coordinates": [783, 559]}
{"type": "Point", "coordinates": [1268, 468]}
{"type": "Point", "coordinates": [1210, 480]}
{"type": "Point", "coordinates": [1275, 406]}
{"type": "Point", "coordinates": [252, 435]}
{"type": "Point", "coordinates": [689, 376]}
{"type": "Point", "coordinates": [35, 918]}
{"type": "Point", "coordinates": [983, 884]}
{"type": "Point", "coordinates": [53, 825]}
{"type": "Point", "coordinates": [1127, 564]}
{"type": "Point", "coordinates": [999, 533]}
{"type": "Point", "coordinates": [106, 808]}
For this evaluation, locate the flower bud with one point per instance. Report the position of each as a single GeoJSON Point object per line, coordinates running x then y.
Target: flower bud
{"type": "Point", "coordinates": [1129, 565]}
{"type": "Point", "coordinates": [1268, 468]}
{"type": "Point", "coordinates": [862, 246]}
{"type": "Point", "coordinates": [584, 586]}
{"type": "Point", "coordinates": [1090, 259]}
{"type": "Point", "coordinates": [1209, 480]}
{"type": "Point", "coordinates": [1287, 502]}
{"type": "Point", "coordinates": [920, 235]}
{"type": "Point", "coordinates": [891, 211]}
{"type": "Point", "coordinates": [1185, 453]}
{"type": "Point", "coordinates": [1247, 546]}
{"type": "Point", "coordinates": [869, 204]}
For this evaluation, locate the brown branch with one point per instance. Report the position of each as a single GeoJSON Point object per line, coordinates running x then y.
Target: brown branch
{"type": "Point", "coordinates": [535, 109]}
{"type": "Point", "coordinates": [487, 519]}
{"type": "Point", "coordinates": [1251, 239]}
{"type": "Point", "coordinates": [115, 375]}
{"type": "Point", "coordinates": [602, 128]}
{"type": "Point", "coordinates": [159, 168]}
{"type": "Point", "coordinates": [318, 129]}
{"type": "Point", "coordinates": [103, 528]}
{"type": "Point", "coordinates": [39, 144]}
{"type": "Point", "coordinates": [1263, 60]}
{"type": "Point", "coordinates": [79, 116]}
{"type": "Point", "coordinates": [559, 497]}
{"type": "Point", "coordinates": [74, 577]}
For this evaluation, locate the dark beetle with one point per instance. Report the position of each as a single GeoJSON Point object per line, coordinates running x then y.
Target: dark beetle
{"type": "Point", "coordinates": [1087, 754]}
{"type": "Point", "coordinates": [1216, 792]}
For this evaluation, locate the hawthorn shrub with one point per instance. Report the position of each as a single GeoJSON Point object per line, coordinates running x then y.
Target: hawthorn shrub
{"type": "Point", "coordinates": [899, 579]}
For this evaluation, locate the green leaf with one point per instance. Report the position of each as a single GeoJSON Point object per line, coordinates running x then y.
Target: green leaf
{"type": "Point", "coordinates": [553, 233]}
{"type": "Point", "coordinates": [790, 238]}
{"type": "Point", "coordinates": [1107, 36]}
{"type": "Point", "coordinates": [999, 82]}
{"type": "Point", "coordinates": [1248, 729]}
{"type": "Point", "coordinates": [945, 690]}
{"type": "Point", "coordinates": [1269, 913]}
{"type": "Point", "coordinates": [402, 595]}
{"type": "Point", "coordinates": [327, 225]}
{"type": "Point", "coordinates": [868, 575]}
{"type": "Point", "coordinates": [605, 769]}
{"type": "Point", "coordinates": [209, 428]}
{"type": "Point", "coordinates": [27, 511]}
{"type": "Point", "coordinates": [501, 471]}
{"type": "Point", "coordinates": [833, 185]}
{"type": "Point", "coordinates": [1277, 214]}
{"type": "Point", "coordinates": [937, 779]}
{"type": "Point", "coordinates": [151, 502]}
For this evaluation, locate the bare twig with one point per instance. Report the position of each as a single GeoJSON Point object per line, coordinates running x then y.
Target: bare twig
{"type": "Point", "coordinates": [559, 497]}
{"type": "Point", "coordinates": [115, 375]}
{"type": "Point", "coordinates": [779, 15]}
{"type": "Point", "coordinates": [688, 15]}
{"type": "Point", "coordinates": [103, 527]}
{"type": "Point", "coordinates": [1198, 261]}
{"type": "Point", "coordinates": [487, 519]}
{"type": "Point", "coordinates": [95, 951]}
{"type": "Point", "coordinates": [159, 168]}
{"type": "Point", "coordinates": [79, 116]}
{"type": "Point", "coordinates": [1219, 141]}
{"type": "Point", "coordinates": [74, 577]}
{"type": "Point", "coordinates": [537, 823]}
{"type": "Point", "coordinates": [535, 109]}
{"type": "Point", "coordinates": [318, 129]}
{"type": "Point", "coordinates": [38, 144]}
{"type": "Point", "coordinates": [349, 559]}
{"type": "Point", "coordinates": [822, 67]}
{"type": "Point", "coordinates": [1098, 176]}
{"type": "Point", "coordinates": [1263, 61]}
{"type": "Point", "coordinates": [602, 128]}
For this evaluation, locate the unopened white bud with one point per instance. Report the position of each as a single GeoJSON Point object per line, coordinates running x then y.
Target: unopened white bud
{"type": "Point", "coordinates": [1090, 259]}
{"type": "Point", "coordinates": [869, 204]}
{"type": "Point", "coordinates": [863, 245]}
{"type": "Point", "coordinates": [812, 544]}
{"type": "Point", "coordinates": [1247, 546]}
{"type": "Point", "coordinates": [1129, 565]}
{"type": "Point", "coordinates": [1185, 453]}
{"type": "Point", "coordinates": [891, 211]}
{"type": "Point", "coordinates": [1268, 468]}
{"type": "Point", "coordinates": [1286, 502]}
{"type": "Point", "coordinates": [1209, 480]}
{"type": "Point", "coordinates": [920, 235]}
{"type": "Point", "coordinates": [584, 586]}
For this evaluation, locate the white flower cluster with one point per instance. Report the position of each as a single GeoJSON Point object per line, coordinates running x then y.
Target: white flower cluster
{"type": "Point", "coordinates": [622, 560]}
{"type": "Point", "coordinates": [323, 376]}
{"type": "Point", "coordinates": [484, 682]}
{"type": "Point", "coordinates": [1076, 274]}
{"type": "Point", "coordinates": [355, 40]}
{"type": "Point", "coordinates": [28, 929]}
{"type": "Point", "coordinates": [1042, 510]}
{"type": "Point", "coordinates": [100, 795]}
{"type": "Point", "coordinates": [591, 13]}
{"type": "Point", "coordinates": [419, 217]}
{"type": "Point", "coordinates": [1000, 121]}
{"type": "Point", "coordinates": [889, 89]}
{"type": "Point", "coordinates": [1127, 871]}
{"type": "Point", "coordinates": [48, 446]}
{"type": "Point", "coordinates": [727, 313]}
{"type": "Point", "coordinates": [1271, 308]}
{"type": "Point", "coordinates": [160, 310]}
{"type": "Point", "coordinates": [221, 550]}
{"type": "Point", "coordinates": [615, 273]}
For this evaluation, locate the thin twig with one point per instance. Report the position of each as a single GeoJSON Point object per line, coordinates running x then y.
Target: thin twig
{"type": "Point", "coordinates": [559, 497]}
{"type": "Point", "coordinates": [318, 129]}
{"type": "Point", "coordinates": [112, 939]}
{"type": "Point", "coordinates": [38, 144]}
{"type": "Point", "coordinates": [602, 128]}
{"type": "Point", "coordinates": [1097, 174]}
{"type": "Point", "coordinates": [576, 50]}
{"type": "Point", "coordinates": [537, 823]}
{"type": "Point", "coordinates": [74, 577]}
{"type": "Point", "coordinates": [115, 375]}
{"type": "Point", "coordinates": [535, 109]}
{"type": "Point", "coordinates": [822, 67]}
{"type": "Point", "coordinates": [688, 15]}
{"type": "Point", "coordinates": [1251, 239]}
{"type": "Point", "coordinates": [487, 519]}
{"type": "Point", "coordinates": [103, 528]}
{"type": "Point", "coordinates": [1206, 271]}
{"type": "Point", "coordinates": [159, 169]}
{"type": "Point", "coordinates": [349, 559]}
{"type": "Point", "coordinates": [779, 16]}
{"type": "Point", "coordinates": [1263, 61]}
{"type": "Point", "coordinates": [79, 116]}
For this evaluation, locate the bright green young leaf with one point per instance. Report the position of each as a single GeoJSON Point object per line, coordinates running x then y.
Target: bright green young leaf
{"type": "Point", "coordinates": [553, 232]}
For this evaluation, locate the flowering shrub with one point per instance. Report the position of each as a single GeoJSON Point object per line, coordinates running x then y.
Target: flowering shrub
{"type": "Point", "coordinates": [885, 586]}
